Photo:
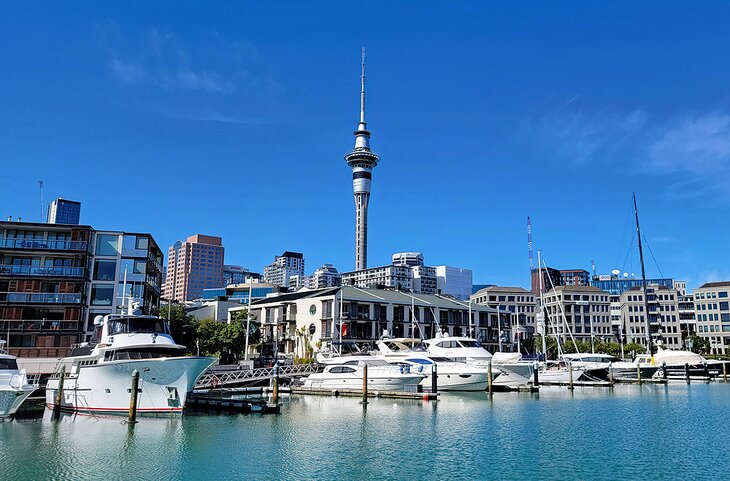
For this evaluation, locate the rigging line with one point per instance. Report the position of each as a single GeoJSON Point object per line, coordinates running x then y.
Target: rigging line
{"type": "Point", "coordinates": [628, 253]}
{"type": "Point", "coordinates": [623, 235]}
{"type": "Point", "coordinates": [652, 256]}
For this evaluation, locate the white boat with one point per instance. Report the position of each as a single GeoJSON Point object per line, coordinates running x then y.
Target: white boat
{"type": "Point", "coordinates": [451, 375]}
{"type": "Point", "coordinates": [674, 362]}
{"type": "Point", "coordinates": [382, 376]}
{"type": "Point", "coordinates": [458, 348]}
{"type": "Point", "coordinates": [628, 369]}
{"type": "Point", "coordinates": [515, 371]}
{"type": "Point", "coordinates": [99, 379]}
{"type": "Point", "coordinates": [345, 352]}
{"type": "Point", "coordinates": [15, 387]}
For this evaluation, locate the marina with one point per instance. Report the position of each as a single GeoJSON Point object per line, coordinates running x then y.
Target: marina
{"type": "Point", "coordinates": [462, 436]}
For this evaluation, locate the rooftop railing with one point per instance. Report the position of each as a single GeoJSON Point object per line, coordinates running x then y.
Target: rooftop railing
{"type": "Point", "coordinates": [42, 244]}
{"type": "Point", "coordinates": [39, 298]}
{"type": "Point", "coordinates": [38, 271]}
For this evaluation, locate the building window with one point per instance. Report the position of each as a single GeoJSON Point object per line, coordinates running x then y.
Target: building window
{"type": "Point", "coordinates": [104, 270]}
{"type": "Point", "coordinates": [102, 294]}
{"type": "Point", "coordinates": [107, 245]}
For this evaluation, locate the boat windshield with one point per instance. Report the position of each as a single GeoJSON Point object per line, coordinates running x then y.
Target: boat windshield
{"type": "Point", "coordinates": [469, 343]}
{"type": "Point", "coordinates": [441, 359]}
{"type": "Point", "coordinates": [420, 361]}
{"type": "Point", "coordinates": [8, 364]}
{"type": "Point", "coordinates": [374, 362]}
{"type": "Point", "coordinates": [138, 325]}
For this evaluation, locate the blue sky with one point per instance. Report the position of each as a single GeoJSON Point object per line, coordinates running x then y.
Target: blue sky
{"type": "Point", "coordinates": [231, 119]}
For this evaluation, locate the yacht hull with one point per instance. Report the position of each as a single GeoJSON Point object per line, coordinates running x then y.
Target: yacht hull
{"type": "Point", "coordinates": [106, 387]}
{"type": "Point", "coordinates": [354, 381]}
{"type": "Point", "coordinates": [11, 400]}
{"type": "Point", "coordinates": [459, 382]}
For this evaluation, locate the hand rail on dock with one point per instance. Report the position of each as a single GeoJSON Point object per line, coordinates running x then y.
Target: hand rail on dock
{"type": "Point", "coordinates": [211, 379]}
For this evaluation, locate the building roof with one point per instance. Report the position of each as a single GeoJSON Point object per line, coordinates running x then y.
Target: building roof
{"type": "Point", "coordinates": [577, 289]}
{"type": "Point", "coordinates": [521, 290]}
{"type": "Point", "coordinates": [368, 294]}
{"type": "Point", "coordinates": [707, 285]}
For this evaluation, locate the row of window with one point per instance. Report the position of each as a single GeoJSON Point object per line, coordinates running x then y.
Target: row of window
{"type": "Point", "coordinates": [711, 295]}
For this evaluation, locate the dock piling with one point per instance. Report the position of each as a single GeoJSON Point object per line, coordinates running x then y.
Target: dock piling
{"type": "Point", "coordinates": [59, 394]}
{"type": "Point", "coordinates": [275, 384]}
{"type": "Point", "coordinates": [570, 376]}
{"type": "Point", "coordinates": [535, 375]}
{"type": "Point", "coordinates": [686, 372]}
{"type": "Point", "coordinates": [434, 379]}
{"type": "Point", "coordinates": [133, 397]}
{"type": "Point", "coordinates": [724, 371]}
{"type": "Point", "coordinates": [489, 377]}
{"type": "Point", "coordinates": [364, 385]}
{"type": "Point", "coordinates": [665, 374]}
{"type": "Point", "coordinates": [638, 373]}
{"type": "Point", "coordinates": [610, 371]}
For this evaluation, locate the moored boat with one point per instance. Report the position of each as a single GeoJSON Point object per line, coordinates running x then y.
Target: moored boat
{"type": "Point", "coordinates": [15, 386]}
{"type": "Point", "coordinates": [381, 376]}
{"type": "Point", "coordinates": [99, 378]}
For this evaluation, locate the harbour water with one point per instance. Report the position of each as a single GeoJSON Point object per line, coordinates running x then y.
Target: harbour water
{"type": "Point", "coordinates": [622, 433]}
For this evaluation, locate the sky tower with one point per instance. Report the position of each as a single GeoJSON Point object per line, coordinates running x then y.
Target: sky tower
{"type": "Point", "coordinates": [361, 160]}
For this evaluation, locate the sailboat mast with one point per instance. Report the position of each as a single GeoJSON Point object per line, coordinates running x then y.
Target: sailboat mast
{"type": "Point", "coordinates": [542, 307]}
{"type": "Point", "coordinates": [643, 280]}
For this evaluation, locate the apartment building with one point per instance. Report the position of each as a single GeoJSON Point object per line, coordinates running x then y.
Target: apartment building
{"type": "Point", "coordinates": [712, 315]}
{"type": "Point", "coordinates": [192, 266]}
{"type": "Point", "coordinates": [583, 311]}
{"type": "Point", "coordinates": [663, 316]}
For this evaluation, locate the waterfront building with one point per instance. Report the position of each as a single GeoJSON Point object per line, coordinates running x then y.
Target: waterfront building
{"type": "Point", "coordinates": [686, 311]}
{"type": "Point", "coordinates": [712, 314]}
{"type": "Point", "coordinates": [664, 323]}
{"type": "Point", "coordinates": [409, 259]}
{"type": "Point", "coordinates": [454, 281]}
{"type": "Point", "coordinates": [424, 279]}
{"type": "Point", "coordinates": [617, 285]}
{"type": "Point", "coordinates": [519, 303]}
{"type": "Point", "coordinates": [478, 287]}
{"type": "Point", "coordinates": [362, 161]}
{"type": "Point", "coordinates": [124, 265]}
{"type": "Point", "coordinates": [585, 309]}
{"type": "Point", "coordinates": [192, 266]}
{"type": "Point", "coordinates": [680, 287]}
{"type": "Point", "coordinates": [64, 211]}
{"type": "Point", "coordinates": [211, 309]}
{"type": "Point", "coordinates": [574, 277]}
{"type": "Point", "coordinates": [366, 314]}
{"type": "Point", "coordinates": [284, 266]}
{"type": "Point", "coordinates": [240, 292]}
{"type": "Point", "coordinates": [43, 282]}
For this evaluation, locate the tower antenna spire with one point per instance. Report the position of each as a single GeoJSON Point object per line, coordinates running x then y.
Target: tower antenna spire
{"type": "Point", "coordinates": [362, 89]}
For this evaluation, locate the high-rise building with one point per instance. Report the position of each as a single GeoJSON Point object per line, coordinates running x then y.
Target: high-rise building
{"type": "Point", "coordinates": [192, 266]}
{"type": "Point", "coordinates": [424, 279]}
{"type": "Point", "coordinates": [392, 277]}
{"type": "Point", "coordinates": [326, 276]}
{"type": "Point", "coordinates": [617, 285]}
{"type": "Point", "coordinates": [362, 160]}
{"type": "Point", "coordinates": [558, 277]}
{"type": "Point", "coordinates": [64, 211]}
{"type": "Point", "coordinates": [238, 275]}
{"type": "Point", "coordinates": [284, 266]}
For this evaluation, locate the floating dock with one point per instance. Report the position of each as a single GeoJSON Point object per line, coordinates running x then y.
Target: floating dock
{"type": "Point", "coordinates": [425, 396]}
{"type": "Point", "coordinates": [228, 405]}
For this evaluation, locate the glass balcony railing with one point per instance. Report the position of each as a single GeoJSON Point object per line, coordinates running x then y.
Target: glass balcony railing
{"type": "Point", "coordinates": [39, 298]}
{"type": "Point", "coordinates": [42, 244]}
{"type": "Point", "coordinates": [38, 271]}
{"type": "Point", "coordinates": [36, 325]}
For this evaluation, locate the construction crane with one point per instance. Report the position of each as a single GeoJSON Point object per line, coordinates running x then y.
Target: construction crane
{"type": "Point", "coordinates": [529, 242]}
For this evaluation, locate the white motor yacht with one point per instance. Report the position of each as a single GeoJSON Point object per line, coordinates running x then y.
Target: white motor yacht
{"type": "Point", "coordinates": [675, 361]}
{"type": "Point", "coordinates": [382, 376]}
{"type": "Point", "coordinates": [15, 387]}
{"type": "Point", "coordinates": [99, 379]}
{"type": "Point", "coordinates": [594, 365]}
{"type": "Point", "coordinates": [344, 352]}
{"type": "Point", "coordinates": [458, 348]}
{"type": "Point", "coordinates": [451, 375]}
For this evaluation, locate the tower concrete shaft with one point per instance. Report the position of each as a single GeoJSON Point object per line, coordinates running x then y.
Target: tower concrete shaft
{"type": "Point", "coordinates": [362, 160]}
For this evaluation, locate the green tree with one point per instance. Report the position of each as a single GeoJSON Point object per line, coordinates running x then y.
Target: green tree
{"type": "Point", "coordinates": [231, 341]}
{"type": "Point", "coordinates": [182, 324]}
{"type": "Point", "coordinates": [635, 348]}
{"type": "Point", "coordinates": [700, 345]}
{"type": "Point", "coordinates": [207, 331]}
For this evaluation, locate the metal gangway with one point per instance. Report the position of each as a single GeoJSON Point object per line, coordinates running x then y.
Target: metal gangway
{"type": "Point", "coordinates": [211, 379]}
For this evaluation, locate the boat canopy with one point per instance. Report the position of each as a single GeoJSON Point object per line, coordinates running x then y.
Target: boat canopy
{"type": "Point", "coordinates": [505, 357]}
{"type": "Point", "coordinates": [678, 357]}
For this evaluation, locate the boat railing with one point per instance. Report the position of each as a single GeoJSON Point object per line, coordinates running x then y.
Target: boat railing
{"type": "Point", "coordinates": [211, 379]}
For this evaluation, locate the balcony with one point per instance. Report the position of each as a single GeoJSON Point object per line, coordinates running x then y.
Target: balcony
{"type": "Point", "coordinates": [52, 326]}
{"type": "Point", "coordinates": [39, 298]}
{"type": "Point", "coordinates": [37, 271]}
{"type": "Point", "coordinates": [42, 244]}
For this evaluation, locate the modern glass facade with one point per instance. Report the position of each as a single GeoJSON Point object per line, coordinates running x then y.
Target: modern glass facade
{"type": "Point", "coordinates": [618, 286]}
